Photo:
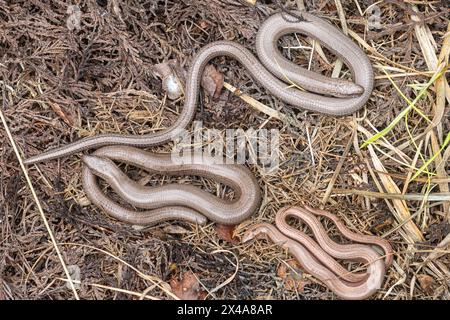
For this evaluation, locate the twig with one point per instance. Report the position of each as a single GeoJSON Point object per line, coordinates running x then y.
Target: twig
{"type": "Point", "coordinates": [255, 103]}
{"type": "Point", "coordinates": [36, 200]}
{"type": "Point", "coordinates": [442, 196]}
{"type": "Point", "coordinates": [338, 169]}
{"type": "Point", "coordinates": [140, 295]}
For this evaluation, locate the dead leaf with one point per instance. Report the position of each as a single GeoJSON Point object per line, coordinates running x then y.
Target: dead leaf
{"type": "Point", "coordinates": [426, 282]}
{"type": "Point", "coordinates": [63, 114]}
{"type": "Point", "coordinates": [382, 223]}
{"type": "Point", "coordinates": [247, 33]}
{"type": "Point", "coordinates": [212, 81]}
{"type": "Point", "coordinates": [188, 288]}
{"type": "Point", "coordinates": [292, 276]}
{"type": "Point", "coordinates": [226, 233]}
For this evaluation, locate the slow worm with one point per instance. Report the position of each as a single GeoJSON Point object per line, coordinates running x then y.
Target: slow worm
{"type": "Point", "coordinates": [171, 201]}
{"type": "Point", "coordinates": [316, 257]}
{"type": "Point", "coordinates": [275, 73]}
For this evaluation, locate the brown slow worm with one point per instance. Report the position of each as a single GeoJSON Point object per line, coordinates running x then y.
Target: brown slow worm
{"type": "Point", "coordinates": [317, 257]}
{"type": "Point", "coordinates": [274, 72]}
{"type": "Point", "coordinates": [172, 201]}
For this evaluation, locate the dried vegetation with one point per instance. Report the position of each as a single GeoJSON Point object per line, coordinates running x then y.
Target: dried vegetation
{"type": "Point", "coordinates": [61, 81]}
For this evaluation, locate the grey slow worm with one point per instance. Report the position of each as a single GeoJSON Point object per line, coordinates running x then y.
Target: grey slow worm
{"type": "Point", "coordinates": [275, 73]}
{"type": "Point", "coordinates": [316, 257]}
{"type": "Point", "coordinates": [171, 201]}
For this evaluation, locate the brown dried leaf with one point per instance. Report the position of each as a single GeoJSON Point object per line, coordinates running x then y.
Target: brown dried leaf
{"type": "Point", "coordinates": [212, 81]}
{"type": "Point", "coordinates": [292, 276]}
{"type": "Point", "coordinates": [227, 233]}
{"type": "Point", "coordinates": [426, 282]}
{"type": "Point", "coordinates": [63, 114]}
{"type": "Point", "coordinates": [247, 33]}
{"type": "Point", "coordinates": [188, 288]}
{"type": "Point", "coordinates": [382, 224]}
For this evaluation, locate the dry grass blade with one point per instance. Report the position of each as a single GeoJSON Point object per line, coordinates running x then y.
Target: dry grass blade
{"type": "Point", "coordinates": [229, 279]}
{"type": "Point", "coordinates": [63, 84]}
{"type": "Point", "coordinates": [441, 197]}
{"type": "Point", "coordinates": [340, 10]}
{"type": "Point", "coordinates": [120, 290]}
{"type": "Point", "coordinates": [401, 211]}
{"type": "Point", "coordinates": [437, 155]}
{"type": "Point", "coordinates": [154, 280]}
{"type": "Point", "coordinates": [338, 169]}
{"type": "Point", "coordinates": [411, 105]}
{"type": "Point", "coordinates": [38, 203]}
{"type": "Point", "coordinates": [255, 103]}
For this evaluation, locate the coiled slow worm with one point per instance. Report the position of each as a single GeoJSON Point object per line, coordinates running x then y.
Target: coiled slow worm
{"type": "Point", "coordinates": [335, 97]}
{"type": "Point", "coordinates": [317, 257]}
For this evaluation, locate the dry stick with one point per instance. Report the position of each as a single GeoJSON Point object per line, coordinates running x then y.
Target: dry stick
{"type": "Point", "coordinates": [441, 89]}
{"type": "Point", "coordinates": [418, 179]}
{"type": "Point", "coordinates": [313, 161]}
{"type": "Point", "coordinates": [338, 65]}
{"type": "Point", "coordinates": [432, 61]}
{"type": "Point", "coordinates": [427, 45]}
{"type": "Point", "coordinates": [441, 86]}
{"type": "Point", "coordinates": [401, 211]}
{"type": "Point", "coordinates": [437, 252]}
{"type": "Point", "coordinates": [440, 170]}
{"type": "Point", "coordinates": [300, 5]}
{"type": "Point", "coordinates": [378, 184]}
{"type": "Point", "coordinates": [255, 103]}
{"type": "Point", "coordinates": [141, 295]}
{"type": "Point", "coordinates": [375, 53]}
{"type": "Point", "coordinates": [405, 74]}
{"type": "Point", "coordinates": [229, 279]}
{"type": "Point", "coordinates": [425, 42]}
{"type": "Point", "coordinates": [444, 268]}
{"type": "Point", "coordinates": [437, 196]}
{"type": "Point", "coordinates": [446, 241]}
{"type": "Point", "coordinates": [154, 280]}
{"type": "Point", "coordinates": [38, 204]}
{"type": "Point", "coordinates": [410, 171]}
{"type": "Point", "coordinates": [338, 168]}
{"type": "Point", "coordinates": [359, 8]}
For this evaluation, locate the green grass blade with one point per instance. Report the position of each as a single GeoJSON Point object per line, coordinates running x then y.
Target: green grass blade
{"type": "Point", "coordinates": [386, 130]}
{"type": "Point", "coordinates": [411, 105]}
{"type": "Point", "coordinates": [426, 164]}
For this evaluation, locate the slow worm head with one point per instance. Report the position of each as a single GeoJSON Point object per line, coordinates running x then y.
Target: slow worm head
{"type": "Point", "coordinates": [100, 166]}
